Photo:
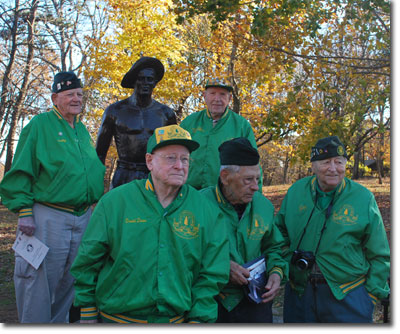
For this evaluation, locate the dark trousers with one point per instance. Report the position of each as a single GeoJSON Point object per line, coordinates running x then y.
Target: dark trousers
{"type": "Point", "coordinates": [246, 312]}
{"type": "Point", "coordinates": [319, 305]}
{"type": "Point", "coordinates": [74, 314]}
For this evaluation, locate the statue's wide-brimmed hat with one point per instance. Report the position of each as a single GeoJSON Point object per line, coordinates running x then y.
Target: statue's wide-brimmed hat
{"type": "Point", "coordinates": [129, 79]}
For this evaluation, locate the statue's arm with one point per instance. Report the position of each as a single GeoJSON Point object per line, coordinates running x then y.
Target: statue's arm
{"type": "Point", "coordinates": [171, 117]}
{"type": "Point", "coordinates": [105, 135]}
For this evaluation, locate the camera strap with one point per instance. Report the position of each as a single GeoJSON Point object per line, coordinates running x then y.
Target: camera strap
{"type": "Point", "coordinates": [328, 213]}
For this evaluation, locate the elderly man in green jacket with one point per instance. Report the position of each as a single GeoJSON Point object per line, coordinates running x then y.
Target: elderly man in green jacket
{"type": "Point", "coordinates": [335, 242]}
{"type": "Point", "coordinates": [154, 250]}
{"type": "Point", "coordinates": [54, 179]}
{"type": "Point", "coordinates": [249, 219]}
{"type": "Point", "coordinates": [211, 127]}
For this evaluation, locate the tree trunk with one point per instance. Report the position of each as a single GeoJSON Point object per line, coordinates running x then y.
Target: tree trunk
{"type": "Point", "coordinates": [7, 72]}
{"type": "Point", "coordinates": [235, 93]}
{"type": "Point", "coordinates": [356, 169]}
{"type": "Point", "coordinates": [22, 94]}
{"type": "Point", "coordinates": [285, 168]}
{"type": "Point", "coordinates": [381, 144]}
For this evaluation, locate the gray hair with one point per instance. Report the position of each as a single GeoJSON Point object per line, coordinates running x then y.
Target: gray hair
{"type": "Point", "coordinates": [339, 156]}
{"type": "Point", "coordinates": [230, 168]}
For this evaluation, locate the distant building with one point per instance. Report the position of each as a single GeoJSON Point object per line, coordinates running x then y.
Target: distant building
{"type": "Point", "coordinates": [371, 164]}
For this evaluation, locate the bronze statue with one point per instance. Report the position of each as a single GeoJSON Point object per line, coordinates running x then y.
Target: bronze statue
{"type": "Point", "coordinates": [132, 121]}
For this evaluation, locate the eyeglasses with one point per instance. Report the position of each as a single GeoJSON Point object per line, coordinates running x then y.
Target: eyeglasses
{"type": "Point", "coordinates": [171, 159]}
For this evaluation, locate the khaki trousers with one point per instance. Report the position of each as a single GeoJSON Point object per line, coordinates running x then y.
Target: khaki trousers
{"type": "Point", "coordinates": [46, 295]}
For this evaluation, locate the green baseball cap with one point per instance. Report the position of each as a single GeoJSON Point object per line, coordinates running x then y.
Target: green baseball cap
{"type": "Point", "coordinates": [218, 83]}
{"type": "Point", "coordinates": [171, 135]}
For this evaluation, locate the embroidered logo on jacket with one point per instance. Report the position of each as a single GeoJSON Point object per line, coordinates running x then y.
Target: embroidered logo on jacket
{"type": "Point", "coordinates": [199, 129]}
{"type": "Point", "coordinates": [62, 140]}
{"type": "Point", "coordinates": [345, 215]}
{"type": "Point", "coordinates": [136, 220]}
{"type": "Point", "coordinates": [257, 229]}
{"type": "Point", "coordinates": [186, 226]}
{"type": "Point", "coordinates": [302, 207]}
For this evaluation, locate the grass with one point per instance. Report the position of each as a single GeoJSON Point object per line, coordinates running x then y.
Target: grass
{"type": "Point", "coordinates": [8, 223]}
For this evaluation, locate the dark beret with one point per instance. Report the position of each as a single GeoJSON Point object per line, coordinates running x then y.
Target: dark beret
{"type": "Point", "coordinates": [238, 151]}
{"type": "Point", "coordinates": [129, 79]}
{"type": "Point", "coordinates": [328, 147]}
{"type": "Point", "coordinates": [65, 81]}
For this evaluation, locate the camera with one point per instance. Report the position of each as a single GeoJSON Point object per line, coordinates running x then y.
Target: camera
{"type": "Point", "coordinates": [303, 260]}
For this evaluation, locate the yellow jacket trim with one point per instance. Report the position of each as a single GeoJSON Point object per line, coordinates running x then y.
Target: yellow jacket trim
{"type": "Point", "coordinates": [149, 186]}
{"type": "Point", "coordinates": [65, 208]}
{"type": "Point", "coordinates": [277, 270]}
{"type": "Point", "coordinates": [373, 298]}
{"type": "Point", "coordinates": [351, 285]}
{"type": "Point", "coordinates": [125, 320]}
{"type": "Point", "coordinates": [26, 212]}
{"type": "Point", "coordinates": [219, 196]}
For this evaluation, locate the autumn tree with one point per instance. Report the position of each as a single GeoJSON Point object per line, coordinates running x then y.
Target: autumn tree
{"type": "Point", "coordinates": [336, 65]}
{"type": "Point", "coordinates": [141, 28]}
{"type": "Point", "coordinates": [15, 90]}
{"type": "Point", "coordinates": [350, 80]}
{"type": "Point", "coordinates": [39, 38]}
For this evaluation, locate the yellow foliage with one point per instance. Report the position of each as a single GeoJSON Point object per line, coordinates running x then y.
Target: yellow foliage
{"type": "Point", "coordinates": [140, 31]}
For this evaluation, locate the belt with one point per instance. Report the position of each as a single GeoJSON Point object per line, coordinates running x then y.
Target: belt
{"type": "Point", "coordinates": [136, 166]}
{"type": "Point", "coordinates": [317, 279]}
{"type": "Point", "coordinates": [77, 211]}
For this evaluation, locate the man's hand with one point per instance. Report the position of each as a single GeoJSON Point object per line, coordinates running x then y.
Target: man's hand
{"type": "Point", "coordinates": [238, 275]}
{"type": "Point", "coordinates": [272, 287]}
{"type": "Point", "coordinates": [26, 225]}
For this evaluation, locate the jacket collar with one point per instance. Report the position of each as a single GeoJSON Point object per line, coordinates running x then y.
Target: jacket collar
{"type": "Point", "coordinates": [338, 191]}
{"type": "Point", "coordinates": [149, 186]}
{"type": "Point", "coordinates": [60, 116]}
{"type": "Point", "coordinates": [225, 114]}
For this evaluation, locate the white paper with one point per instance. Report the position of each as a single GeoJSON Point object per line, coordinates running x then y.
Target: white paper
{"type": "Point", "coordinates": [31, 249]}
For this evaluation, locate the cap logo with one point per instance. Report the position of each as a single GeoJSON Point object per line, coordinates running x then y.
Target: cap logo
{"type": "Point", "coordinates": [340, 150]}
{"type": "Point", "coordinates": [215, 82]}
{"type": "Point", "coordinates": [171, 133]}
{"type": "Point", "coordinates": [63, 83]}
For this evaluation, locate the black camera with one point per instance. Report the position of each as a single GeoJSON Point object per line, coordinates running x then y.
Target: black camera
{"type": "Point", "coordinates": [303, 260]}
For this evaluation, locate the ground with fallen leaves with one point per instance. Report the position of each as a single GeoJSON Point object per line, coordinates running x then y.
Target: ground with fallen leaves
{"type": "Point", "coordinates": [8, 222]}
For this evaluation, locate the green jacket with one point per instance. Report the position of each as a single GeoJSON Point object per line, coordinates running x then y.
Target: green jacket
{"type": "Point", "coordinates": [140, 259]}
{"type": "Point", "coordinates": [254, 235]}
{"type": "Point", "coordinates": [205, 165]}
{"type": "Point", "coordinates": [54, 164]}
{"type": "Point", "coordinates": [354, 249]}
